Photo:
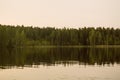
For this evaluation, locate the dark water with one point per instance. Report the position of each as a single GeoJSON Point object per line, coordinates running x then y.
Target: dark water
{"type": "Point", "coordinates": [60, 63]}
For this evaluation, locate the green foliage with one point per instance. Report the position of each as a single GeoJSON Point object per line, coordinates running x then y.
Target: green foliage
{"type": "Point", "coordinates": [16, 36]}
{"type": "Point", "coordinates": [92, 37]}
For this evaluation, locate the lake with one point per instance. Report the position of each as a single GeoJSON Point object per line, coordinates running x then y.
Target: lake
{"type": "Point", "coordinates": [60, 63]}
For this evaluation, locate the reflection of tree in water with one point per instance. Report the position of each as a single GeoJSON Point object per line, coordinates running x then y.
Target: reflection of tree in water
{"type": "Point", "coordinates": [54, 56]}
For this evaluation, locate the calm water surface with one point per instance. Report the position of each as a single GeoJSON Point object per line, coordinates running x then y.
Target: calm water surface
{"type": "Point", "coordinates": [60, 63]}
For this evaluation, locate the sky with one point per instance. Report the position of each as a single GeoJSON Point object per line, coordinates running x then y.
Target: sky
{"type": "Point", "coordinates": [61, 13]}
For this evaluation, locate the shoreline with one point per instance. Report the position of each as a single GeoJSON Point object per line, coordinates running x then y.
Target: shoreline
{"type": "Point", "coordinates": [74, 46]}
{"type": "Point", "coordinates": [66, 46]}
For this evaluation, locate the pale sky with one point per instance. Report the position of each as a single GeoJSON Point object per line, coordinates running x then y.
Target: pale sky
{"type": "Point", "coordinates": [61, 13]}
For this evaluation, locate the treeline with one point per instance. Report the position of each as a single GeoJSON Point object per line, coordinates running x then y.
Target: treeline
{"type": "Point", "coordinates": [12, 36]}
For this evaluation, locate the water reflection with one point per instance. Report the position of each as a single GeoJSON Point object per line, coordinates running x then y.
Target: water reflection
{"type": "Point", "coordinates": [27, 57]}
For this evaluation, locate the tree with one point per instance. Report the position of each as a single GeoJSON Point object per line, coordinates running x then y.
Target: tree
{"type": "Point", "coordinates": [13, 36]}
{"type": "Point", "coordinates": [92, 37]}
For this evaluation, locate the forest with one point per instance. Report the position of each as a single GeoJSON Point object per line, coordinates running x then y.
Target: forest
{"type": "Point", "coordinates": [16, 36]}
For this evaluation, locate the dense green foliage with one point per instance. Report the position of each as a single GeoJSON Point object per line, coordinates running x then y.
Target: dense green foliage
{"type": "Point", "coordinates": [12, 36]}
